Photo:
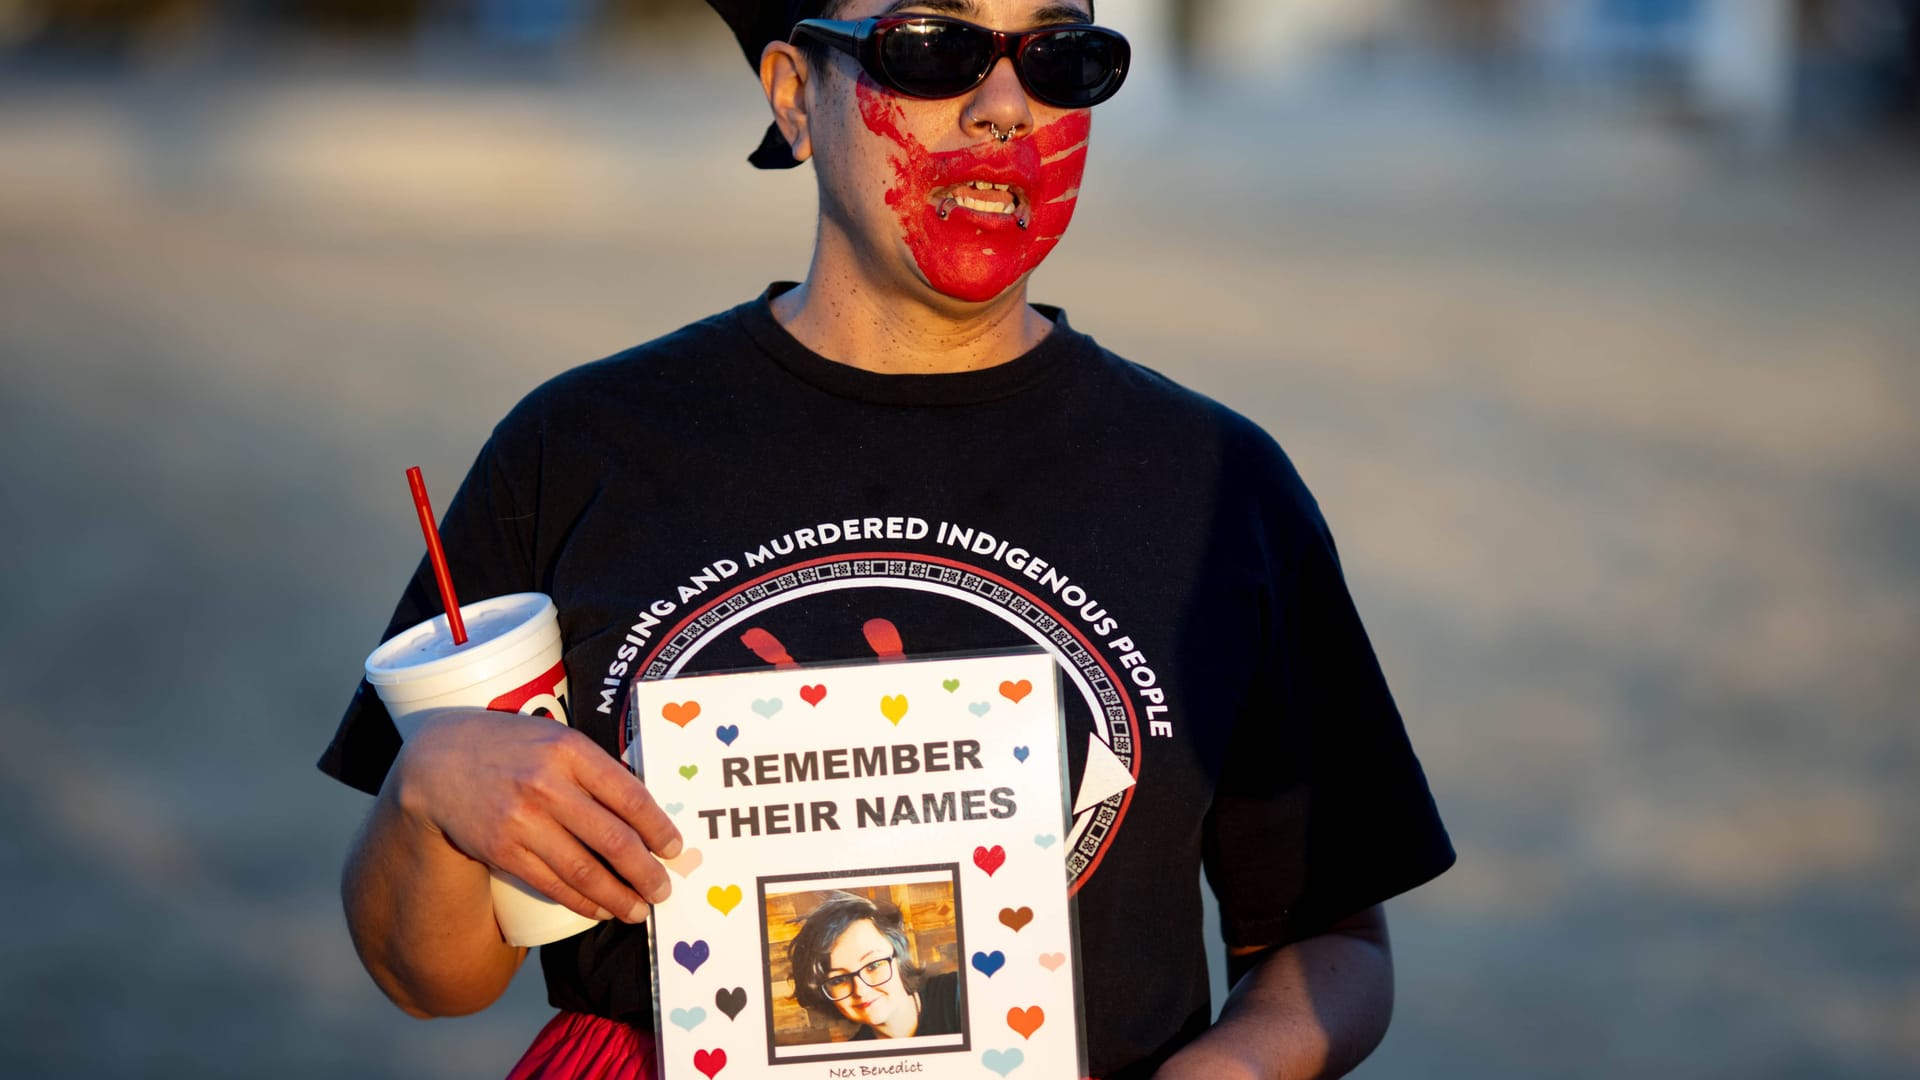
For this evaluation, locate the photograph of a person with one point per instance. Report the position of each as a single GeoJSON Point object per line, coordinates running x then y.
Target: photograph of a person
{"type": "Point", "coordinates": [864, 965]}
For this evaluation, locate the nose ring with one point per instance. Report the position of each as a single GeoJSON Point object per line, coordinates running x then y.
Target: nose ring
{"type": "Point", "coordinates": [1002, 136]}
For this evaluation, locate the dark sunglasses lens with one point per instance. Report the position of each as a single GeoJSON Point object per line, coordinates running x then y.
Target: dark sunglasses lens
{"type": "Point", "coordinates": [1074, 68]}
{"type": "Point", "coordinates": [935, 59]}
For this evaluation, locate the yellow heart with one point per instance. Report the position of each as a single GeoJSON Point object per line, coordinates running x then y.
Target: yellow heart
{"type": "Point", "coordinates": [893, 708]}
{"type": "Point", "coordinates": [724, 899]}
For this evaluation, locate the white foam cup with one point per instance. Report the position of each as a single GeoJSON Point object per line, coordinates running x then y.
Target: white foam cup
{"type": "Point", "coordinates": [512, 662]}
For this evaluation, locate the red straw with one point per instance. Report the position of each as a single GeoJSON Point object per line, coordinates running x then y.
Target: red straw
{"type": "Point", "coordinates": [437, 555]}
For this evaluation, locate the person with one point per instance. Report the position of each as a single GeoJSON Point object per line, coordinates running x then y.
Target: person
{"type": "Point", "coordinates": [851, 959]}
{"type": "Point", "coordinates": [901, 454]}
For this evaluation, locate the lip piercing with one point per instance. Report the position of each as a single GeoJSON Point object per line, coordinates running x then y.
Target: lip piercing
{"type": "Point", "coordinates": [1023, 223]}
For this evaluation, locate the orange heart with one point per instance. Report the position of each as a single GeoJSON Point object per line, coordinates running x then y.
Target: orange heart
{"type": "Point", "coordinates": [1014, 691]}
{"type": "Point", "coordinates": [1014, 919]}
{"type": "Point", "coordinates": [1026, 1021]}
{"type": "Point", "coordinates": [680, 715]}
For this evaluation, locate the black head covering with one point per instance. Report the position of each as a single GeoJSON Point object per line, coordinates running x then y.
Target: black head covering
{"type": "Point", "coordinates": [755, 23]}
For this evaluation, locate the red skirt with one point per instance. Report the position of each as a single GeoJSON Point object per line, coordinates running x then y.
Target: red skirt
{"type": "Point", "coordinates": [576, 1046]}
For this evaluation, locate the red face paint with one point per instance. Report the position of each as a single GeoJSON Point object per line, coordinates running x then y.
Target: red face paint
{"type": "Point", "coordinates": [973, 255]}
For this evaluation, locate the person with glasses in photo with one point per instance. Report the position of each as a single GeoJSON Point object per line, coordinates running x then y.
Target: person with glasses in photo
{"type": "Point", "coordinates": [851, 959]}
{"type": "Point", "coordinates": [1159, 544]}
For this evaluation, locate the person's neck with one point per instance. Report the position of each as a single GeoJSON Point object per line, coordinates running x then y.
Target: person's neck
{"type": "Point", "coordinates": [864, 325]}
{"type": "Point", "coordinates": [904, 1022]}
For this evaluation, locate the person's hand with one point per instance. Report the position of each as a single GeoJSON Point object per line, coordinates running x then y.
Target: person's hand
{"type": "Point", "coordinates": [542, 802]}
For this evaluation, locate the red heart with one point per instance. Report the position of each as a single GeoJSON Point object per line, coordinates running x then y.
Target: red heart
{"type": "Point", "coordinates": [710, 1061]}
{"type": "Point", "coordinates": [1014, 691]}
{"type": "Point", "coordinates": [1013, 919]}
{"type": "Point", "coordinates": [680, 715]}
{"type": "Point", "coordinates": [989, 859]}
{"type": "Point", "coordinates": [1026, 1021]}
{"type": "Point", "coordinates": [812, 694]}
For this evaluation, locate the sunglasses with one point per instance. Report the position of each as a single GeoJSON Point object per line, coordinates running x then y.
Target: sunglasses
{"type": "Point", "coordinates": [1070, 66]}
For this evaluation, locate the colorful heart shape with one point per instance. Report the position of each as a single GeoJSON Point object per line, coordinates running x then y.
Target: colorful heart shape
{"type": "Point", "coordinates": [724, 900]}
{"type": "Point", "coordinates": [1020, 753]}
{"type": "Point", "coordinates": [1014, 691]}
{"type": "Point", "coordinates": [688, 861]}
{"type": "Point", "coordinates": [688, 1019]}
{"type": "Point", "coordinates": [812, 695]}
{"type": "Point", "coordinates": [1045, 840]}
{"type": "Point", "coordinates": [949, 685]}
{"type": "Point", "coordinates": [731, 1001]}
{"type": "Point", "coordinates": [710, 1062]}
{"type": "Point", "coordinates": [689, 771]}
{"type": "Point", "coordinates": [979, 708]}
{"type": "Point", "coordinates": [766, 707]}
{"type": "Point", "coordinates": [680, 713]}
{"type": "Point", "coordinates": [1026, 1021]}
{"type": "Point", "coordinates": [691, 954]}
{"type": "Point", "coordinates": [1052, 961]}
{"type": "Point", "coordinates": [726, 733]}
{"type": "Point", "coordinates": [989, 858]}
{"type": "Point", "coordinates": [894, 707]}
{"type": "Point", "coordinates": [999, 1061]}
{"type": "Point", "coordinates": [986, 963]}
{"type": "Point", "coordinates": [1015, 918]}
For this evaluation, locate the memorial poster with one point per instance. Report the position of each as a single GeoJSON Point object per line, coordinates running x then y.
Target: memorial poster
{"type": "Point", "coordinates": [874, 881]}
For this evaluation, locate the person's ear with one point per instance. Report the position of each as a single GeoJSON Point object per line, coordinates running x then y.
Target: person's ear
{"type": "Point", "coordinates": [783, 75]}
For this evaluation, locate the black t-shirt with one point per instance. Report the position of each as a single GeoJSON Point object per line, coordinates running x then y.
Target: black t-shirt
{"type": "Point", "coordinates": [1159, 544]}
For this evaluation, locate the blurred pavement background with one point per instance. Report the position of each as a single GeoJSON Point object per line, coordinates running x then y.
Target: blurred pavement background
{"type": "Point", "coordinates": [1593, 324]}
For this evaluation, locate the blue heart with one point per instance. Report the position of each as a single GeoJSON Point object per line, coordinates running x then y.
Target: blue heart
{"type": "Point", "coordinates": [691, 956]}
{"type": "Point", "coordinates": [688, 1018]}
{"type": "Point", "coordinates": [979, 708]}
{"type": "Point", "coordinates": [986, 963]}
{"type": "Point", "coordinates": [1045, 840]}
{"type": "Point", "coordinates": [674, 807]}
{"type": "Point", "coordinates": [1003, 1061]}
{"type": "Point", "coordinates": [726, 733]}
{"type": "Point", "coordinates": [1020, 753]}
{"type": "Point", "coordinates": [766, 707]}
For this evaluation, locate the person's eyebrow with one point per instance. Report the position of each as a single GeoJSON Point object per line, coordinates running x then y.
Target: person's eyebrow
{"type": "Point", "coordinates": [1050, 15]}
{"type": "Point", "coordinates": [865, 959]}
{"type": "Point", "coordinates": [1053, 14]}
{"type": "Point", "coordinates": [955, 8]}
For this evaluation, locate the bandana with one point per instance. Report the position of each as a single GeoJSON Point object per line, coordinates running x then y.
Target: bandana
{"type": "Point", "coordinates": [756, 23]}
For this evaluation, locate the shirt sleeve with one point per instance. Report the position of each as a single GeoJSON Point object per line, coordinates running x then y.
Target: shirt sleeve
{"type": "Point", "coordinates": [1321, 809]}
{"type": "Point", "coordinates": [487, 532]}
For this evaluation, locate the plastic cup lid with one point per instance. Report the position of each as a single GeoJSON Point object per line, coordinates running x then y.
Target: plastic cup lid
{"type": "Point", "coordinates": [496, 626]}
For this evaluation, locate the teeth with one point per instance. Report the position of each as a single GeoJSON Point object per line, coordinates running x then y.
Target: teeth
{"type": "Point", "coordinates": [984, 207]}
{"type": "Point", "coordinates": [984, 186]}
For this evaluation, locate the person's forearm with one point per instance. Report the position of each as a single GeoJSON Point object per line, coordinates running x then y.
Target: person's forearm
{"type": "Point", "coordinates": [1314, 1009]}
{"type": "Point", "coordinates": [421, 916]}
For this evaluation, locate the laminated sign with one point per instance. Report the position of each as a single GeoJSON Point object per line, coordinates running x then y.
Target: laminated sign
{"type": "Point", "coordinates": [874, 882]}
